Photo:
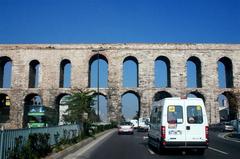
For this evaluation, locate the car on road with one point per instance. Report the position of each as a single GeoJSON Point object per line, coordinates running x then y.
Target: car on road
{"type": "Point", "coordinates": [125, 128]}
{"type": "Point", "coordinates": [144, 124]}
{"type": "Point", "coordinates": [135, 123]}
{"type": "Point", "coordinates": [227, 126]}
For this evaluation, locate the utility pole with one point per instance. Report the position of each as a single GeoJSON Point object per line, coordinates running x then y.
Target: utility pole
{"type": "Point", "coordinates": [98, 73]}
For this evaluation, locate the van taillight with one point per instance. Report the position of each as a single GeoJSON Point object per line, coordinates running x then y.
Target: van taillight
{"type": "Point", "coordinates": [206, 132]}
{"type": "Point", "coordinates": [163, 132]}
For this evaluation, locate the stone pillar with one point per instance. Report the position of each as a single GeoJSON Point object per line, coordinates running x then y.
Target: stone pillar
{"type": "Point", "coordinates": [114, 84]}
{"type": "Point", "coordinates": [178, 71]}
{"type": "Point", "coordinates": [146, 82]}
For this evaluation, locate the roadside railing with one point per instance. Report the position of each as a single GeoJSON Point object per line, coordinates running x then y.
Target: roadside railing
{"type": "Point", "coordinates": [8, 137]}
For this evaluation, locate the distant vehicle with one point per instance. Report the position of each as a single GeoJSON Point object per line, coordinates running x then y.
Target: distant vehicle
{"type": "Point", "coordinates": [40, 116]}
{"type": "Point", "coordinates": [144, 124]}
{"type": "Point", "coordinates": [179, 123]}
{"type": "Point", "coordinates": [125, 128]}
{"type": "Point", "coordinates": [226, 126]}
{"type": "Point", "coordinates": [236, 124]}
{"type": "Point", "coordinates": [135, 123]}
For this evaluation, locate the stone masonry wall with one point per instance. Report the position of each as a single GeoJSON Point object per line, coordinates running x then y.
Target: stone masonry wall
{"type": "Point", "coordinates": [50, 57]}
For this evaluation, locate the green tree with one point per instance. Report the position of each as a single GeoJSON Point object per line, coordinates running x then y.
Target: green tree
{"type": "Point", "coordinates": [233, 100]}
{"type": "Point", "coordinates": [80, 102]}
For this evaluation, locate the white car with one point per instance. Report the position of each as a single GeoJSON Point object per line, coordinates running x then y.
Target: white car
{"type": "Point", "coordinates": [227, 127]}
{"type": "Point", "coordinates": [144, 124]}
{"type": "Point", "coordinates": [126, 128]}
{"type": "Point", "coordinates": [135, 123]}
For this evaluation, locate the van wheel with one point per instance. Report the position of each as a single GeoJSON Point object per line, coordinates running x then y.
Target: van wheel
{"type": "Point", "coordinates": [200, 151]}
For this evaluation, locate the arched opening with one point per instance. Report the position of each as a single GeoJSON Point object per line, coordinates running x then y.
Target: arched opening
{"type": "Point", "coordinates": [162, 72]}
{"type": "Point", "coordinates": [161, 95]}
{"type": "Point", "coordinates": [194, 75]}
{"type": "Point", "coordinates": [130, 103]}
{"type": "Point", "coordinates": [223, 107]}
{"type": "Point", "coordinates": [30, 100]}
{"type": "Point", "coordinates": [34, 72]}
{"type": "Point", "coordinates": [130, 72]}
{"type": "Point", "coordinates": [65, 74]}
{"type": "Point", "coordinates": [5, 105]}
{"type": "Point", "coordinates": [103, 108]}
{"type": "Point", "coordinates": [196, 94]}
{"type": "Point", "coordinates": [5, 72]}
{"type": "Point", "coordinates": [61, 108]}
{"type": "Point", "coordinates": [98, 71]}
{"type": "Point", "coordinates": [228, 107]}
{"type": "Point", "coordinates": [225, 73]}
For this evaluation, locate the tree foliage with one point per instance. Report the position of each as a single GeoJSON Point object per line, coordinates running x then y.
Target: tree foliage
{"type": "Point", "coordinates": [233, 104]}
{"type": "Point", "coordinates": [80, 102]}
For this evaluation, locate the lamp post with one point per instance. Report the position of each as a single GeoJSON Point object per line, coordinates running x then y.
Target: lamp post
{"type": "Point", "coordinates": [97, 51]}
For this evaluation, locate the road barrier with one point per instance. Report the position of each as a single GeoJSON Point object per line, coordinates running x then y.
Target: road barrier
{"type": "Point", "coordinates": [8, 137]}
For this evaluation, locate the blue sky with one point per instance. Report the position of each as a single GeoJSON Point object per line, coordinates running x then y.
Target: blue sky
{"type": "Point", "coordinates": [112, 21]}
{"type": "Point", "coordinates": [125, 21]}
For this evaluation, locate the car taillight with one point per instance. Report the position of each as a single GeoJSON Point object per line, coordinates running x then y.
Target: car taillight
{"type": "Point", "coordinates": [206, 132]}
{"type": "Point", "coordinates": [163, 132]}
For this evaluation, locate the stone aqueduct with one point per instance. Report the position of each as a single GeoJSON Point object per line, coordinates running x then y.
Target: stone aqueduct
{"type": "Point", "coordinates": [50, 57]}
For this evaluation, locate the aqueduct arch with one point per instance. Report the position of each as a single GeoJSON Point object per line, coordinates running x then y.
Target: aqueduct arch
{"type": "Point", "coordinates": [50, 73]}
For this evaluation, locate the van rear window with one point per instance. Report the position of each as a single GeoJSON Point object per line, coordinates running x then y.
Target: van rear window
{"type": "Point", "coordinates": [194, 114]}
{"type": "Point", "coordinates": [175, 114]}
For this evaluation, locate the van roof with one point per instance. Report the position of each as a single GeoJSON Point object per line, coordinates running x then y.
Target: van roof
{"type": "Point", "coordinates": [180, 98]}
{"type": "Point", "coordinates": [176, 98]}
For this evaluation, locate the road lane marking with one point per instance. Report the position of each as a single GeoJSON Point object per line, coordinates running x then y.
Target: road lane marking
{"type": "Point", "coordinates": [145, 137]}
{"type": "Point", "coordinates": [150, 151]}
{"type": "Point", "coordinates": [217, 150]}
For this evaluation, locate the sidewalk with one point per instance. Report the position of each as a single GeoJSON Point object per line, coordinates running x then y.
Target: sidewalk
{"type": "Point", "coordinates": [74, 148]}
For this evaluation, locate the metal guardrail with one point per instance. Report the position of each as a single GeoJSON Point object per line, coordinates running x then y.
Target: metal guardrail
{"type": "Point", "coordinates": [7, 137]}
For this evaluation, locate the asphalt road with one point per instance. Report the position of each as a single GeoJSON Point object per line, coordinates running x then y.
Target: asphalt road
{"type": "Point", "coordinates": [135, 146]}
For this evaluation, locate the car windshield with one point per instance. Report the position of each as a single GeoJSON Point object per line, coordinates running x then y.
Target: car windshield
{"type": "Point", "coordinates": [36, 119]}
{"type": "Point", "coordinates": [126, 123]}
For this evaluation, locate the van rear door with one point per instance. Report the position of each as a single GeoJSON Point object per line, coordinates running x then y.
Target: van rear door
{"type": "Point", "coordinates": [175, 129]}
{"type": "Point", "coordinates": [195, 125]}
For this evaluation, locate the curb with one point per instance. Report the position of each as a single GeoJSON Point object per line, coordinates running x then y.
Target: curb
{"type": "Point", "coordinates": [225, 136]}
{"type": "Point", "coordinates": [75, 147]}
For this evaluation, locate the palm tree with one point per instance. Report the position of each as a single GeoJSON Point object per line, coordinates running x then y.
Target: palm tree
{"type": "Point", "coordinates": [79, 102]}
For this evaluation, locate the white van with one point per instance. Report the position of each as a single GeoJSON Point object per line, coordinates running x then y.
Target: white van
{"type": "Point", "coordinates": [179, 123]}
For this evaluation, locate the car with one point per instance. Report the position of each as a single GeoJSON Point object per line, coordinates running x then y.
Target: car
{"type": "Point", "coordinates": [125, 128]}
{"type": "Point", "coordinates": [135, 123]}
{"type": "Point", "coordinates": [227, 127]}
{"type": "Point", "coordinates": [223, 126]}
{"type": "Point", "coordinates": [144, 124]}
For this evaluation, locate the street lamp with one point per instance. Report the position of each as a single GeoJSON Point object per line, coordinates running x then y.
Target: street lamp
{"type": "Point", "coordinates": [97, 51]}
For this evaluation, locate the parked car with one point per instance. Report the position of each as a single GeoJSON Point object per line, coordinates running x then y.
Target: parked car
{"type": "Point", "coordinates": [226, 126]}
{"type": "Point", "coordinates": [126, 128]}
